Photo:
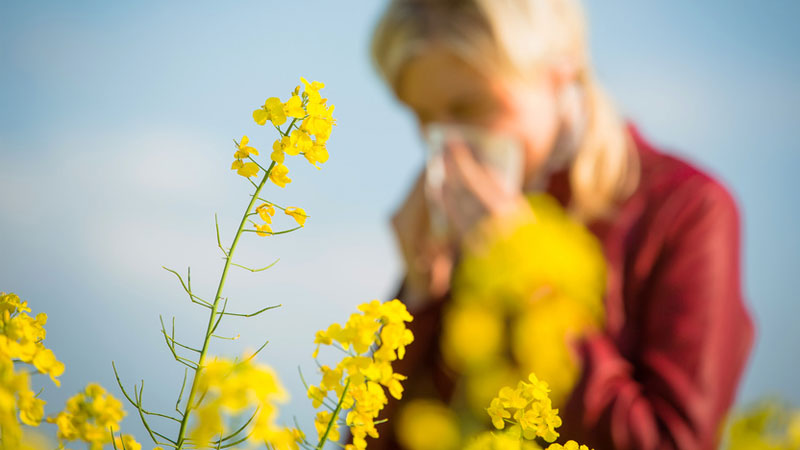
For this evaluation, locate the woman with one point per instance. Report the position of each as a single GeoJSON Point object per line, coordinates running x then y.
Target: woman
{"type": "Point", "coordinates": [664, 369]}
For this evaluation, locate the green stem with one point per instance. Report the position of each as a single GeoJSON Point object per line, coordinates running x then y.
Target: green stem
{"type": "Point", "coordinates": [334, 415]}
{"type": "Point", "coordinates": [213, 314]}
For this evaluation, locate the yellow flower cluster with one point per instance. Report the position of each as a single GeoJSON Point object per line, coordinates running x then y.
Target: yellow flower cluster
{"type": "Point", "coordinates": [90, 416]}
{"type": "Point", "coordinates": [267, 210]}
{"type": "Point", "coordinates": [127, 442]}
{"type": "Point", "coordinates": [309, 138]}
{"type": "Point", "coordinates": [373, 339]}
{"type": "Point", "coordinates": [569, 445]}
{"type": "Point", "coordinates": [529, 411]}
{"type": "Point", "coordinates": [232, 388]}
{"type": "Point", "coordinates": [22, 336]}
{"type": "Point", "coordinates": [427, 424]}
{"type": "Point", "coordinates": [317, 123]}
{"type": "Point", "coordinates": [494, 441]}
{"type": "Point", "coordinates": [22, 342]}
{"type": "Point", "coordinates": [517, 294]}
{"type": "Point", "coordinates": [528, 408]}
{"type": "Point", "coordinates": [767, 425]}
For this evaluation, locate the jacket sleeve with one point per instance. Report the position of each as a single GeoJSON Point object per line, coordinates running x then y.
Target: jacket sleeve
{"type": "Point", "coordinates": [694, 338]}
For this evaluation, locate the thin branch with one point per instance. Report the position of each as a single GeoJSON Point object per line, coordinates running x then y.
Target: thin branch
{"type": "Point", "coordinates": [334, 416]}
{"type": "Point", "coordinates": [251, 314]}
{"type": "Point", "coordinates": [232, 338]}
{"type": "Point", "coordinates": [192, 297]}
{"type": "Point", "coordinates": [141, 415]}
{"type": "Point", "coordinates": [256, 270]}
{"type": "Point", "coordinates": [232, 435]}
{"type": "Point", "coordinates": [271, 203]}
{"type": "Point", "coordinates": [219, 241]}
{"type": "Point", "coordinates": [249, 358]}
{"type": "Point", "coordinates": [276, 232]}
{"type": "Point", "coordinates": [231, 444]}
{"type": "Point", "coordinates": [185, 361]}
{"type": "Point", "coordinates": [113, 443]}
{"type": "Point", "coordinates": [180, 395]}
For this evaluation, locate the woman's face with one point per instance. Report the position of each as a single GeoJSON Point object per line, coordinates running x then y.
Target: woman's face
{"type": "Point", "coordinates": [441, 87]}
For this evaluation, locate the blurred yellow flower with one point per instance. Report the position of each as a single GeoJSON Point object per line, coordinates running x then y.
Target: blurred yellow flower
{"type": "Point", "coordinates": [126, 442]}
{"type": "Point", "coordinates": [424, 424]}
{"type": "Point", "coordinates": [231, 388]}
{"type": "Point", "coordinates": [89, 416]}
{"type": "Point", "coordinates": [569, 445]}
{"type": "Point", "coordinates": [472, 336]}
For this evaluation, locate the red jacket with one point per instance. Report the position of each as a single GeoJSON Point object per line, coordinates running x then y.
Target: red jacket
{"type": "Point", "coordinates": [666, 369]}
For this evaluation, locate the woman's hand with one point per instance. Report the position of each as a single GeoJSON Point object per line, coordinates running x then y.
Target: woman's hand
{"type": "Point", "coordinates": [473, 192]}
{"type": "Point", "coordinates": [428, 261]}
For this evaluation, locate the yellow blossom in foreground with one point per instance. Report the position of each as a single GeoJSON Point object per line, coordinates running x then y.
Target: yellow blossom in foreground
{"type": "Point", "coordinates": [22, 352]}
{"type": "Point", "coordinates": [766, 425]}
{"type": "Point", "coordinates": [500, 441]}
{"type": "Point", "coordinates": [529, 411]}
{"type": "Point", "coordinates": [22, 337]}
{"type": "Point", "coordinates": [280, 175]}
{"type": "Point", "coordinates": [298, 214]}
{"type": "Point", "coordinates": [126, 442]}
{"type": "Point", "coordinates": [570, 445]}
{"type": "Point", "coordinates": [89, 416]}
{"type": "Point", "coordinates": [360, 380]}
{"type": "Point", "coordinates": [230, 389]}
{"type": "Point", "coordinates": [425, 424]}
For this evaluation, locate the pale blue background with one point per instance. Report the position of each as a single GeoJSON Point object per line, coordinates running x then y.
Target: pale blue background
{"type": "Point", "coordinates": [116, 122]}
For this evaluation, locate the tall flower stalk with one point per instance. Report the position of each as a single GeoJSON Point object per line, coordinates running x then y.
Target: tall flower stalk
{"type": "Point", "coordinates": [306, 134]}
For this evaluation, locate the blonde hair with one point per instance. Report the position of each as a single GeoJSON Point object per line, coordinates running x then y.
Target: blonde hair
{"type": "Point", "coordinates": [518, 37]}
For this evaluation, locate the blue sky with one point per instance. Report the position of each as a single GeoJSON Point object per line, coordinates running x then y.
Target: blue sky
{"type": "Point", "coordinates": [116, 120]}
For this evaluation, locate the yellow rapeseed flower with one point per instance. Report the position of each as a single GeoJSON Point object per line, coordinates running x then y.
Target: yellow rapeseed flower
{"type": "Point", "coordinates": [265, 212]}
{"type": "Point", "coordinates": [127, 442]}
{"type": "Point", "coordinates": [89, 416]}
{"type": "Point", "coordinates": [272, 111]}
{"type": "Point", "coordinates": [231, 388]}
{"type": "Point", "coordinates": [280, 175]}
{"type": "Point", "coordinates": [263, 229]}
{"type": "Point", "coordinates": [244, 150]}
{"type": "Point", "coordinates": [426, 424]}
{"type": "Point", "coordinates": [298, 214]}
{"type": "Point", "coordinates": [361, 379]}
{"type": "Point", "coordinates": [529, 410]}
{"type": "Point", "coordinates": [245, 169]}
{"type": "Point", "coordinates": [294, 107]}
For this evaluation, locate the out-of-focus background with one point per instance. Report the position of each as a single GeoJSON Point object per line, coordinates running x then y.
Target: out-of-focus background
{"type": "Point", "coordinates": [116, 120]}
